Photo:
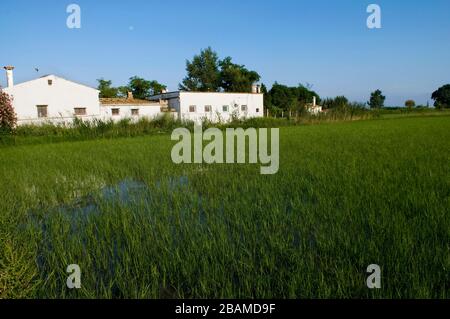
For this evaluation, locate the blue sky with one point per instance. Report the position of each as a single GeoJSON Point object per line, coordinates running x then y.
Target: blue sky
{"type": "Point", "coordinates": [325, 43]}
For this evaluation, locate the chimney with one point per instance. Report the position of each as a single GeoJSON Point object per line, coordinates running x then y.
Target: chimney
{"type": "Point", "coordinates": [254, 88]}
{"type": "Point", "coordinates": [9, 76]}
{"type": "Point", "coordinates": [314, 101]}
{"type": "Point", "coordinates": [130, 95]}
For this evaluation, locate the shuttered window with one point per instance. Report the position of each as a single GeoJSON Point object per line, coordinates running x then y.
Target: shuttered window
{"type": "Point", "coordinates": [42, 110]}
{"type": "Point", "coordinates": [80, 111]}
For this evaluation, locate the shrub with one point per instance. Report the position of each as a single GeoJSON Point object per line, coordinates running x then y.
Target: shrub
{"type": "Point", "coordinates": [340, 102]}
{"type": "Point", "coordinates": [8, 117]}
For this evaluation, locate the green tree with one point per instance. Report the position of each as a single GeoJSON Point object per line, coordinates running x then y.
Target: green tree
{"type": "Point", "coordinates": [156, 87]}
{"type": "Point", "coordinates": [236, 78]}
{"type": "Point", "coordinates": [8, 117]}
{"type": "Point", "coordinates": [283, 98]}
{"type": "Point", "coordinates": [122, 91]}
{"type": "Point", "coordinates": [106, 90]}
{"type": "Point", "coordinates": [339, 102]}
{"type": "Point", "coordinates": [140, 87]}
{"type": "Point", "coordinates": [376, 100]}
{"type": "Point", "coordinates": [410, 104]}
{"type": "Point", "coordinates": [202, 72]}
{"type": "Point", "coordinates": [441, 97]}
{"type": "Point", "coordinates": [263, 88]}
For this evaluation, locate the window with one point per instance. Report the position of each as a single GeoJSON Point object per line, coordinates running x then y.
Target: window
{"type": "Point", "coordinates": [135, 112]}
{"type": "Point", "coordinates": [50, 82]}
{"type": "Point", "coordinates": [208, 108]}
{"type": "Point", "coordinates": [80, 111]}
{"type": "Point", "coordinates": [192, 108]}
{"type": "Point", "coordinates": [225, 108]}
{"type": "Point", "coordinates": [42, 110]}
{"type": "Point", "coordinates": [244, 108]}
{"type": "Point", "coordinates": [257, 110]}
{"type": "Point", "coordinates": [115, 111]}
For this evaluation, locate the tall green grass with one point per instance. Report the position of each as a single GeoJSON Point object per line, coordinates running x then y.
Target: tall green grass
{"type": "Point", "coordinates": [80, 130]}
{"type": "Point", "coordinates": [347, 195]}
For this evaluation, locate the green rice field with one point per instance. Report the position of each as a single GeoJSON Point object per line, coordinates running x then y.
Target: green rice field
{"type": "Point", "coordinates": [346, 195]}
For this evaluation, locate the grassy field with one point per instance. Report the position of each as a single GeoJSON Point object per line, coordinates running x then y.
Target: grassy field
{"type": "Point", "coordinates": [347, 195]}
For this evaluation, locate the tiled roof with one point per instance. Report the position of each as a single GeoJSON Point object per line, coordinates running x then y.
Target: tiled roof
{"type": "Point", "coordinates": [126, 101]}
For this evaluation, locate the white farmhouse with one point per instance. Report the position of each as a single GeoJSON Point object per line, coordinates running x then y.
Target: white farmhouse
{"type": "Point", "coordinates": [51, 98]}
{"type": "Point", "coordinates": [54, 99]}
{"type": "Point", "coordinates": [213, 106]}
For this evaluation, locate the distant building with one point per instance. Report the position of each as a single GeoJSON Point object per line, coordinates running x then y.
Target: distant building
{"type": "Point", "coordinates": [213, 106]}
{"type": "Point", "coordinates": [313, 108]}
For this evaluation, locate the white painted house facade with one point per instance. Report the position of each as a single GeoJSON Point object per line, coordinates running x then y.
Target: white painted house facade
{"type": "Point", "coordinates": [213, 106]}
{"type": "Point", "coordinates": [128, 108]}
{"type": "Point", "coordinates": [54, 99]}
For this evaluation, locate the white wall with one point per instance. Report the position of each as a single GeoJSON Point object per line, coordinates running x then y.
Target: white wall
{"type": "Point", "coordinates": [145, 111]}
{"type": "Point", "coordinates": [234, 101]}
{"type": "Point", "coordinates": [315, 110]}
{"type": "Point", "coordinates": [61, 98]}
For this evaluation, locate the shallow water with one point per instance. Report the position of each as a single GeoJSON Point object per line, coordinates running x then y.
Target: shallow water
{"type": "Point", "coordinates": [126, 193]}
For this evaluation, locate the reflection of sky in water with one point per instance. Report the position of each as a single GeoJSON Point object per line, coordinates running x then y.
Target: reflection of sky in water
{"type": "Point", "coordinates": [128, 192]}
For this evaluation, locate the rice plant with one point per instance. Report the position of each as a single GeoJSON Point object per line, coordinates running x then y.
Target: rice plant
{"type": "Point", "coordinates": [347, 195]}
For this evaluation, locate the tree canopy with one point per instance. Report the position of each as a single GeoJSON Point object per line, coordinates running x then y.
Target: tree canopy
{"type": "Point", "coordinates": [236, 78]}
{"type": "Point", "coordinates": [339, 102]}
{"type": "Point", "coordinates": [376, 100]}
{"type": "Point", "coordinates": [156, 87]}
{"type": "Point", "coordinates": [283, 98]}
{"type": "Point", "coordinates": [106, 89]}
{"type": "Point", "coordinates": [141, 88]}
{"type": "Point", "coordinates": [202, 72]}
{"type": "Point", "coordinates": [410, 104]}
{"type": "Point", "coordinates": [441, 97]}
{"type": "Point", "coordinates": [207, 73]}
